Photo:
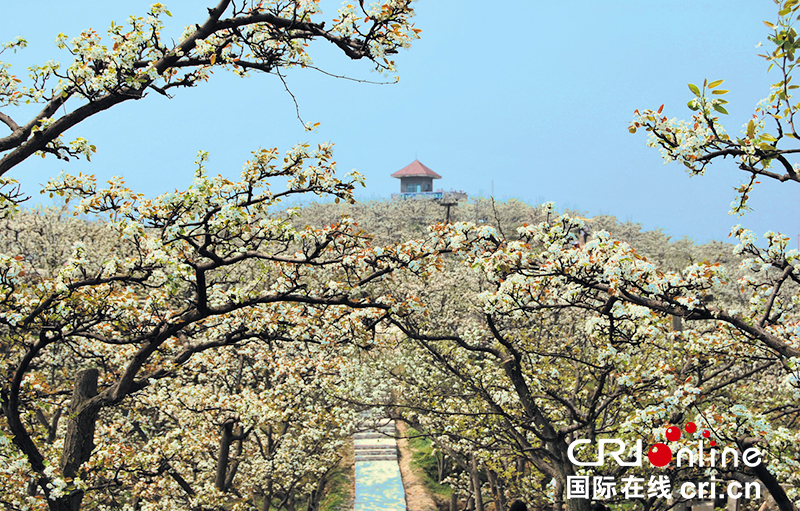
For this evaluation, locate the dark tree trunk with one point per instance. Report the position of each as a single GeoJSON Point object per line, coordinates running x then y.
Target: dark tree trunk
{"type": "Point", "coordinates": [476, 484]}
{"type": "Point", "coordinates": [238, 437]}
{"type": "Point", "coordinates": [267, 497]}
{"type": "Point", "coordinates": [454, 500]}
{"type": "Point", "coordinates": [225, 440]}
{"type": "Point", "coordinates": [79, 442]}
{"type": "Point", "coordinates": [469, 505]}
{"type": "Point", "coordinates": [520, 469]}
{"type": "Point", "coordinates": [316, 497]}
{"type": "Point", "coordinates": [497, 491]}
{"type": "Point", "coordinates": [50, 425]}
{"type": "Point", "coordinates": [578, 505]}
{"type": "Point", "coordinates": [443, 465]}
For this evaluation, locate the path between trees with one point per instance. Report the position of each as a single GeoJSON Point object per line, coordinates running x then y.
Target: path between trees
{"type": "Point", "coordinates": [384, 481]}
{"type": "Point", "coordinates": [378, 482]}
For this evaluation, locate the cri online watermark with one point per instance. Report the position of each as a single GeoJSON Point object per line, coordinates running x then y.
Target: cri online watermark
{"type": "Point", "coordinates": [661, 455]}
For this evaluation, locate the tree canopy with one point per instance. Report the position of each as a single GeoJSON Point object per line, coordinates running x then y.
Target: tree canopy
{"type": "Point", "coordinates": [90, 331]}
{"type": "Point", "coordinates": [212, 349]}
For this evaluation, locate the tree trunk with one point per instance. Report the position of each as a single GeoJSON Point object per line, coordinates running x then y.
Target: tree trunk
{"type": "Point", "coordinates": [225, 439]}
{"type": "Point", "coordinates": [237, 436]}
{"type": "Point", "coordinates": [50, 425]}
{"type": "Point", "coordinates": [497, 491]}
{"type": "Point", "coordinates": [267, 497]}
{"type": "Point", "coordinates": [454, 500]}
{"type": "Point", "coordinates": [469, 505]}
{"type": "Point", "coordinates": [79, 442]}
{"type": "Point", "coordinates": [571, 504]}
{"type": "Point", "coordinates": [290, 500]}
{"type": "Point", "coordinates": [316, 497]}
{"type": "Point", "coordinates": [476, 485]}
{"type": "Point", "coordinates": [559, 497]}
{"type": "Point", "coordinates": [442, 464]}
{"type": "Point", "coordinates": [520, 470]}
{"type": "Point", "coordinates": [578, 505]}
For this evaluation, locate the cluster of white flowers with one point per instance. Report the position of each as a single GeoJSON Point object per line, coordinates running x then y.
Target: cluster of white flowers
{"type": "Point", "coordinates": [678, 140]}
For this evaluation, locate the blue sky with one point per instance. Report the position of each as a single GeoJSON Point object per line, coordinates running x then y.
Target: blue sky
{"type": "Point", "coordinates": [530, 99]}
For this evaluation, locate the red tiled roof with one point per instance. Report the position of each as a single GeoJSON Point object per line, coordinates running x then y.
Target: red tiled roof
{"type": "Point", "coordinates": [416, 169]}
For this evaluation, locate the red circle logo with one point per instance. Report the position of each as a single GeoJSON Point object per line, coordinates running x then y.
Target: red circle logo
{"type": "Point", "coordinates": [673, 433]}
{"type": "Point", "coordinates": [659, 455]}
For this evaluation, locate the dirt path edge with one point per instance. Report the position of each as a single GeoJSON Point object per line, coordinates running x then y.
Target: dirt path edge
{"type": "Point", "coordinates": [417, 496]}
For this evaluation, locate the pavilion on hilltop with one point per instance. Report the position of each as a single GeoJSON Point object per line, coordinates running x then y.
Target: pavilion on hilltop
{"type": "Point", "coordinates": [416, 182]}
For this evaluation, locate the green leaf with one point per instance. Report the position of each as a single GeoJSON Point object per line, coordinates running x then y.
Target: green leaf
{"type": "Point", "coordinates": [784, 12]}
{"type": "Point", "coordinates": [791, 3]}
{"type": "Point", "coordinates": [720, 109]}
{"type": "Point", "coordinates": [751, 129]}
{"type": "Point", "coordinates": [720, 91]}
{"type": "Point", "coordinates": [715, 84]}
{"type": "Point", "coordinates": [768, 137]}
{"type": "Point", "coordinates": [693, 105]}
{"type": "Point", "coordinates": [695, 90]}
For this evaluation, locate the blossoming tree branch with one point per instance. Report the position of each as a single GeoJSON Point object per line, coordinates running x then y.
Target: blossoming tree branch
{"type": "Point", "coordinates": [763, 150]}
{"type": "Point", "coordinates": [138, 58]}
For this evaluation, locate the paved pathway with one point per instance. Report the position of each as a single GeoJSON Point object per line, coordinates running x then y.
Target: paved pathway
{"type": "Point", "coordinates": [378, 483]}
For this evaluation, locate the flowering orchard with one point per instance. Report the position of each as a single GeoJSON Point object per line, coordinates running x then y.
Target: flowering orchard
{"type": "Point", "coordinates": [527, 346]}
{"type": "Point", "coordinates": [558, 341]}
{"type": "Point", "coordinates": [541, 340]}
{"type": "Point", "coordinates": [193, 350]}
{"type": "Point", "coordinates": [202, 349]}
{"type": "Point", "coordinates": [205, 313]}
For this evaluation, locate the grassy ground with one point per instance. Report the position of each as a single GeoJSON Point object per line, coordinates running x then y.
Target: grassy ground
{"type": "Point", "coordinates": [423, 462]}
{"type": "Point", "coordinates": [340, 494]}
